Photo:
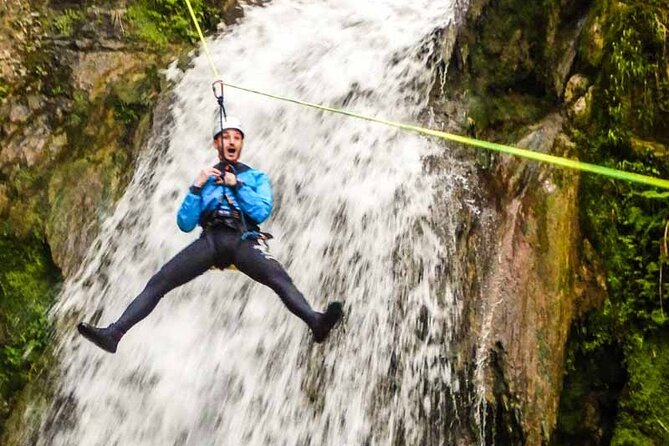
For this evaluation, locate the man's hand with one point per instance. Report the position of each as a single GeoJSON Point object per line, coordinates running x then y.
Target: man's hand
{"type": "Point", "coordinates": [230, 179]}
{"type": "Point", "coordinates": [204, 175]}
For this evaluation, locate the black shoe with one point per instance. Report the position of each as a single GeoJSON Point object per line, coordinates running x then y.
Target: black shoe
{"type": "Point", "coordinates": [105, 338]}
{"type": "Point", "coordinates": [327, 321]}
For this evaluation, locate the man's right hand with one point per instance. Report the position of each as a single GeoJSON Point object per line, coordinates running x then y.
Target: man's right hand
{"type": "Point", "coordinates": [204, 175]}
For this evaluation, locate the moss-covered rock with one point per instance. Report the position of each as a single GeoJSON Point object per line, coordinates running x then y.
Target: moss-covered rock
{"type": "Point", "coordinates": [644, 405]}
{"type": "Point", "coordinates": [508, 74]}
{"type": "Point", "coordinates": [92, 82]}
{"type": "Point", "coordinates": [77, 87]}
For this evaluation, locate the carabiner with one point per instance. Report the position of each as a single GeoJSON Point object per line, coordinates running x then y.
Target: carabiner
{"type": "Point", "coordinates": [213, 87]}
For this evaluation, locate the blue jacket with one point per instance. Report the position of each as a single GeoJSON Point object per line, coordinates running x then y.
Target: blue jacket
{"type": "Point", "coordinates": [252, 196]}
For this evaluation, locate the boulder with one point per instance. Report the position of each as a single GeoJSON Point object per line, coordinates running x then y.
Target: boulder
{"type": "Point", "coordinates": [576, 87]}
{"type": "Point", "coordinates": [581, 110]}
{"type": "Point", "coordinates": [19, 114]}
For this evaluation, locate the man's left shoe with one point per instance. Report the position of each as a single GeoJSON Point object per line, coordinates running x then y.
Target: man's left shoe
{"type": "Point", "coordinates": [105, 338]}
{"type": "Point", "coordinates": [327, 321]}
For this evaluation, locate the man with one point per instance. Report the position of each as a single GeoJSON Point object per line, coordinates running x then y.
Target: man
{"type": "Point", "coordinates": [228, 200]}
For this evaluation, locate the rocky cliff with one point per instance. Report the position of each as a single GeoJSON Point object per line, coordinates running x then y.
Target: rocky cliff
{"type": "Point", "coordinates": [554, 77]}
{"type": "Point", "coordinates": [79, 81]}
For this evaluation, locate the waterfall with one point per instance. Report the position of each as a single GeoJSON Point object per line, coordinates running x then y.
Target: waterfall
{"type": "Point", "coordinates": [358, 218]}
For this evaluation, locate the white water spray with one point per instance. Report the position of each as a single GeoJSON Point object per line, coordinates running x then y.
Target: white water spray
{"type": "Point", "coordinates": [221, 361]}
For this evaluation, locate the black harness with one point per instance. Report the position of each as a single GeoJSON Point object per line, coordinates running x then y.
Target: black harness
{"type": "Point", "coordinates": [228, 218]}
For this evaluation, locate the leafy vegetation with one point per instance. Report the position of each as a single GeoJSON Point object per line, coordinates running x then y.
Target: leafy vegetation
{"type": "Point", "coordinates": [168, 21]}
{"type": "Point", "coordinates": [643, 412]}
{"type": "Point", "coordinates": [28, 283]}
{"type": "Point", "coordinates": [627, 225]}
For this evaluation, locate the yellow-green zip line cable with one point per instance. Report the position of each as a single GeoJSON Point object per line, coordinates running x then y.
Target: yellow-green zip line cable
{"type": "Point", "coordinates": [529, 154]}
{"type": "Point", "coordinates": [204, 42]}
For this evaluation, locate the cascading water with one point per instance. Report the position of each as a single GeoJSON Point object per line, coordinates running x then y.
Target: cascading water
{"type": "Point", "coordinates": [221, 361]}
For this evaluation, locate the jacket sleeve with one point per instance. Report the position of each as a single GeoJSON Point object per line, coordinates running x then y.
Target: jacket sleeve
{"type": "Point", "coordinates": [189, 212]}
{"type": "Point", "coordinates": [256, 201]}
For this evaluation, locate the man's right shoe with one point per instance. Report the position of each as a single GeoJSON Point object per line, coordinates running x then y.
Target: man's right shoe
{"type": "Point", "coordinates": [327, 321]}
{"type": "Point", "coordinates": [105, 338]}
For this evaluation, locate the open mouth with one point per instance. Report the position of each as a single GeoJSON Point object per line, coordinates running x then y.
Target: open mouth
{"type": "Point", "coordinates": [230, 151]}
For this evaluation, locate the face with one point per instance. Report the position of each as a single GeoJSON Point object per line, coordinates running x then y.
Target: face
{"type": "Point", "coordinates": [229, 145]}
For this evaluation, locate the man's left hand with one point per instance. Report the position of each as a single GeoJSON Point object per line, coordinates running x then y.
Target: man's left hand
{"type": "Point", "coordinates": [230, 179]}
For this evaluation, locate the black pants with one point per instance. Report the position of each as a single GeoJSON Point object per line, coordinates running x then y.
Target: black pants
{"type": "Point", "coordinates": [219, 247]}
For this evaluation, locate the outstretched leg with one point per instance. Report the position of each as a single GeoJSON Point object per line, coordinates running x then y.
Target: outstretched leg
{"type": "Point", "coordinates": [192, 261]}
{"type": "Point", "coordinates": [253, 259]}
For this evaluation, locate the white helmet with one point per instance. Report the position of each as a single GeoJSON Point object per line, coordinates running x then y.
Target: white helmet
{"type": "Point", "coordinates": [228, 123]}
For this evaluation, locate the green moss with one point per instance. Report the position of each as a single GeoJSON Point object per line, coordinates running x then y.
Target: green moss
{"type": "Point", "coordinates": [65, 23]}
{"type": "Point", "coordinates": [644, 407]}
{"type": "Point", "coordinates": [47, 74]}
{"type": "Point", "coordinates": [506, 114]}
{"type": "Point", "coordinates": [633, 85]}
{"type": "Point", "coordinates": [627, 229]}
{"type": "Point", "coordinates": [28, 284]}
{"type": "Point", "coordinates": [168, 21]}
{"type": "Point", "coordinates": [26, 210]}
{"type": "Point", "coordinates": [146, 24]}
{"type": "Point", "coordinates": [626, 225]}
{"type": "Point", "coordinates": [35, 399]}
{"type": "Point", "coordinates": [631, 437]}
{"type": "Point", "coordinates": [79, 112]}
{"type": "Point", "coordinates": [505, 68]}
{"type": "Point", "coordinates": [130, 101]}
{"type": "Point", "coordinates": [624, 51]}
{"type": "Point", "coordinates": [512, 38]}
{"type": "Point", "coordinates": [508, 58]}
{"type": "Point", "coordinates": [591, 43]}
{"type": "Point", "coordinates": [4, 89]}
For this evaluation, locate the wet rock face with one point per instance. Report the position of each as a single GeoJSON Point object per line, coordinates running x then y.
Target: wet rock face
{"type": "Point", "coordinates": [94, 70]}
{"type": "Point", "coordinates": [532, 283]}
{"type": "Point", "coordinates": [531, 280]}
{"type": "Point", "coordinates": [71, 233]}
{"type": "Point", "coordinates": [41, 140]}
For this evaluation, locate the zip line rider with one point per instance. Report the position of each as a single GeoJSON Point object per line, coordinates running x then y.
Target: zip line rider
{"type": "Point", "coordinates": [228, 200]}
